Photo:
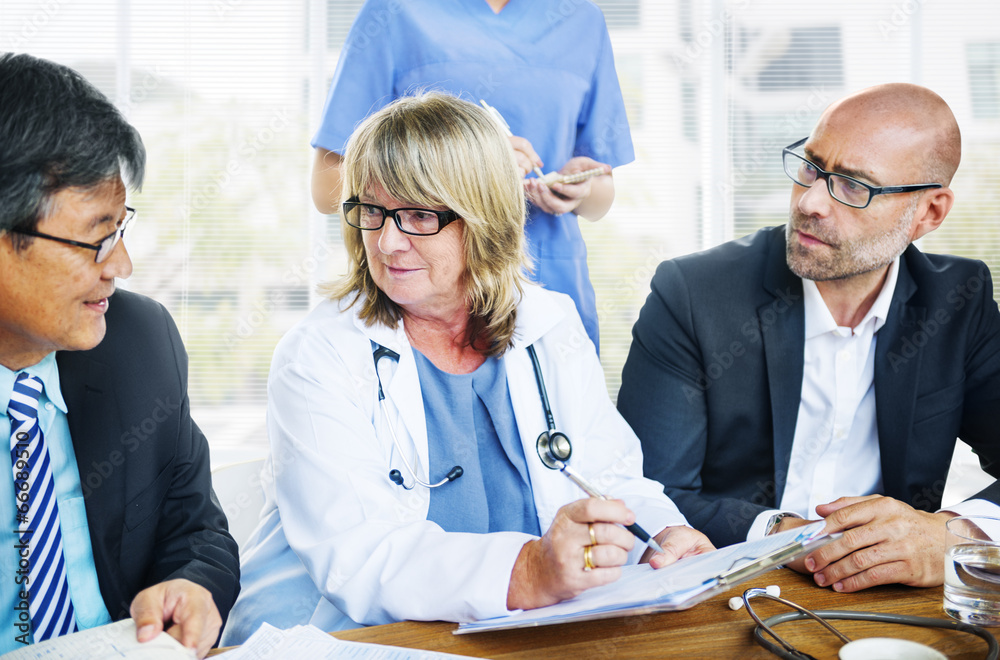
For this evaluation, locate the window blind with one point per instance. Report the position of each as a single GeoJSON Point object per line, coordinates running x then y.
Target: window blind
{"type": "Point", "coordinates": [720, 86]}
{"type": "Point", "coordinates": [227, 93]}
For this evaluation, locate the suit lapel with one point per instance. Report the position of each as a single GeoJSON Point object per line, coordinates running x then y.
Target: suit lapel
{"type": "Point", "coordinates": [897, 369]}
{"type": "Point", "coordinates": [92, 413]}
{"type": "Point", "coordinates": [782, 324]}
{"type": "Point", "coordinates": [95, 427]}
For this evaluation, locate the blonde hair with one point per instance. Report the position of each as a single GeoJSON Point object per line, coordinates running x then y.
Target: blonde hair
{"type": "Point", "coordinates": [437, 150]}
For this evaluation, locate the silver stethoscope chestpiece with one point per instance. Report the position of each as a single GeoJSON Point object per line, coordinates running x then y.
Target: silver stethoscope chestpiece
{"type": "Point", "coordinates": [887, 648]}
{"type": "Point", "coordinates": [554, 448]}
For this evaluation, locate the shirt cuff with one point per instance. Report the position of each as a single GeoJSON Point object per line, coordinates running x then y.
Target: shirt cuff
{"type": "Point", "coordinates": [974, 508]}
{"type": "Point", "coordinates": [763, 521]}
{"type": "Point", "coordinates": [496, 584]}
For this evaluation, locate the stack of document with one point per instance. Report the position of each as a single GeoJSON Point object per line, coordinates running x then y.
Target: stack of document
{"type": "Point", "coordinates": [681, 585]}
{"type": "Point", "coordinates": [117, 641]}
{"type": "Point", "coordinates": [113, 641]}
{"type": "Point", "coordinates": [310, 642]}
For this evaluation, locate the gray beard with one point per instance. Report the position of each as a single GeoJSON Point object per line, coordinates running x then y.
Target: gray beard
{"type": "Point", "coordinates": [848, 258]}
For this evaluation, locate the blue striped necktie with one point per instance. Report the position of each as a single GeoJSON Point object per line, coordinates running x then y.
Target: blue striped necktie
{"type": "Point", "coordinates": [37, 516]}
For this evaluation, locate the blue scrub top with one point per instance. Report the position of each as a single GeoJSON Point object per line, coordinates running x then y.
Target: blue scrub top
{"type": "Point", "coordinates": [546, 65]}
{"type": "Point", "coordinates": [470, 422]}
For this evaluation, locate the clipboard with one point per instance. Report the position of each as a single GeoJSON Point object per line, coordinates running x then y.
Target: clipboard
{"type": "Point", "coordinates": [576, 177]}
{"type": "Point", "coordinates": [680, 586]}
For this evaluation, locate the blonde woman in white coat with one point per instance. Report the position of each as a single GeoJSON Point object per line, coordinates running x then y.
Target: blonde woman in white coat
{"type": "Point", "coordinates": [440, 284]}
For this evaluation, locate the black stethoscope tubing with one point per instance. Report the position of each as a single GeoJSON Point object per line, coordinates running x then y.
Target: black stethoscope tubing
{"type": "Point", "coordinates": [553, 447]}
{"type": "Point", "coordinates": [786, 650]}
{"type": "Point", "coordinates": [395, 476]}
{"type": "Point", "coordinates": [550, 420]}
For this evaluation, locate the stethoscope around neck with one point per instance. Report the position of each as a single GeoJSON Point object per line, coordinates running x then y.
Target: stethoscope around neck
{"type": "Point", "coordinates": [554, 447]}
{"type": "Point", "coordinates": [395, 476]}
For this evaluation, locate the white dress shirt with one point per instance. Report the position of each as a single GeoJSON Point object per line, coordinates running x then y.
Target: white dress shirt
{"type": "Point", "coordinates": [835, 450]}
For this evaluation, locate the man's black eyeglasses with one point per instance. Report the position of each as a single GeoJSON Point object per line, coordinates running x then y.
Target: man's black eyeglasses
{"type": "Point", "coordinates": [845, 189]}
{"type": "Point", "coordinates": [103, 248]}
{"type": "Point", "coordinates": [416, 222]}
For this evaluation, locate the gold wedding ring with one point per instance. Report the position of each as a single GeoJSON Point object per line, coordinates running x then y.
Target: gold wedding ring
{"type": "Point", "coordinates": [588, 560]}
{"type": "Point", "coordinates": [593, 536]}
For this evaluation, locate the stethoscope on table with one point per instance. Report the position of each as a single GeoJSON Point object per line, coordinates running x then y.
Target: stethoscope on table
{"type": "Point", "coordinates": [862, 649]}
{"type": "Point", "coordinates": [554, 447]}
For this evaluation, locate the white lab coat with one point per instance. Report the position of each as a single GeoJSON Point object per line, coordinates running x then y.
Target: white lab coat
{"type": "Point", "coordinates": [340, 545]}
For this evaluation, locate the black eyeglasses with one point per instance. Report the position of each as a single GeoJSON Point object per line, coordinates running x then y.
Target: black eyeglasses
{"type": "Point", "coordinates": [416, 222]}
{"type": "Point", "coordinates": [103, 248]}
{"type": "Point", "coordinates": [846, 190]}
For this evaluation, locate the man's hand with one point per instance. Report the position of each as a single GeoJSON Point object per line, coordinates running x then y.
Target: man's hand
{"type": "Point", "coordinates": [791, 522]}
{"type": "Point", "coordinates": [185, 609]}
{"type": "Point", "coordinates": [884, 542]}
{"type": "Point", "coordinates": [678, 542]}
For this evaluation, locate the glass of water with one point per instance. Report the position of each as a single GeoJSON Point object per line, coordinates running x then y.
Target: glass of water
{"type": "Point", "coordinates": [972, 570]}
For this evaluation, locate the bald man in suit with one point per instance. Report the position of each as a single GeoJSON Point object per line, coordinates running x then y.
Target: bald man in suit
{"type": "Point", "coordinates": [824, 369]}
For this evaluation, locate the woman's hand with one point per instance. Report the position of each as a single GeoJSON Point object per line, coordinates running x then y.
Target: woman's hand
{"type": "Point", "coordinates": [524, 153]}
{"type": "Point", "coordinates": [552, 569]}
{"type": "Point", "coordinates": [591, 198]}
{"type": "Point", "coordinates": [678, 542]}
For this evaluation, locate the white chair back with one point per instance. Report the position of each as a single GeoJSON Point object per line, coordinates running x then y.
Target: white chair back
{"type": "Point", "coordinates": [238, 487]}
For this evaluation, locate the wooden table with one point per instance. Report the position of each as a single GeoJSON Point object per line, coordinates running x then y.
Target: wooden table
{"type": "Point", "coordinates": [708, 630]}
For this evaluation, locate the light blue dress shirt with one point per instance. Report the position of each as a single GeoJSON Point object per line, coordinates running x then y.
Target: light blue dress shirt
{"type": "Point", "coordinates": [470, 422]}
{"type": "Point", "coordinates": [80, 571]}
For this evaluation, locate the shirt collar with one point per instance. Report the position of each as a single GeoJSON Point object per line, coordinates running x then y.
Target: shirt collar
{"type": "Point", "coordinates": [46, 370]}
{"type": "Point", "coordinates": [819, 320]}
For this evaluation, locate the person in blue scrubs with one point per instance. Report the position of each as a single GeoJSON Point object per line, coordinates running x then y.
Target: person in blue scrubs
{"type": "Point", "coordinates": [545, 65]}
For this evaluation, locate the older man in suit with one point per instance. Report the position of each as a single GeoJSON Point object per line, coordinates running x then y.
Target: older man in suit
{"type": "Point", "coordinates": [109, 491]}
{"type": "Point", "coordinates": [824, 369]}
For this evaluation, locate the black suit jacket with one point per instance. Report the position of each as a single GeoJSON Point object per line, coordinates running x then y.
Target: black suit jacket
{"type": "Point", "coordinates": [713, 380]}
{"type": "Point", "coordinates": [144, 464]}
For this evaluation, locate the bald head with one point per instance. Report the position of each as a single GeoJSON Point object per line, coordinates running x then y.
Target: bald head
{"type": "Point", "coordinates": [912, 119]}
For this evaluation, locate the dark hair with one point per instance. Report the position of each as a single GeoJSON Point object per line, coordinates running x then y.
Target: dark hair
{"type": "Point", "coordinates": [57, 131]}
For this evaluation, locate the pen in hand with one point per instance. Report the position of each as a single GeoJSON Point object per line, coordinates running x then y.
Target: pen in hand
{"type": "Point", "coordinates": [586, 487]}
{"type": "Point", "coordinates": [506, 127]}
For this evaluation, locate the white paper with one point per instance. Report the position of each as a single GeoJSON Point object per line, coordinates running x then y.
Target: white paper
{"type": "Point", "coordinates": [677, 586]}
{"type": "Point", "coordinates": [110, 642]}
{"type": "Point", "coordinates": [270, 643]}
